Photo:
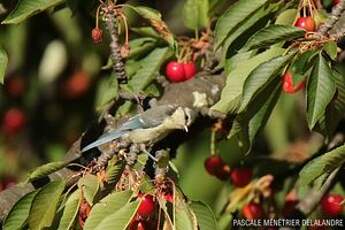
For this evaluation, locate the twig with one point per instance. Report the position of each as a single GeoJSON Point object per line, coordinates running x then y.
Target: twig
{"type": "Point", "coordinates": [333, 18]}
{"type": "Point", "coordinates": [115, 49]}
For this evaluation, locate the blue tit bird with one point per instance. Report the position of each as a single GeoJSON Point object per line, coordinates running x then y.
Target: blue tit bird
{"type": "Point", "coordinates": [149, 119]}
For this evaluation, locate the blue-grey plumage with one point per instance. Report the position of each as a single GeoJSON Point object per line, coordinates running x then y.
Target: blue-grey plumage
{"type": "Point", "coordinates": [148, 119]}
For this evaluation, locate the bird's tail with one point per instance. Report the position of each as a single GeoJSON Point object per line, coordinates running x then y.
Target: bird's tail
{"type": "Point", "coordinates": [105, 138]}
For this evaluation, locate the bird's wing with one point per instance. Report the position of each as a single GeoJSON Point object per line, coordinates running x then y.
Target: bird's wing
{"type": "Point", "coordinates": [105, 138]}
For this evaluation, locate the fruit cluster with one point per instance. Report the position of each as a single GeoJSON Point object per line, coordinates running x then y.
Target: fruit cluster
{"type": "Point", "coordinates": [216, 166]}
{"type": "Point", "coordinates": [178, 71]}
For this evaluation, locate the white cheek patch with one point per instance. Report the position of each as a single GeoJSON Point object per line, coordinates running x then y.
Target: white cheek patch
{"type": "Point", "coordinates": [200, 100]}
{"type": "Point", "coordinates": [214, 90]}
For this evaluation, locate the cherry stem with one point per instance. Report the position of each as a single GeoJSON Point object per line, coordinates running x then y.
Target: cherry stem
{"type": "Point", "coordinates": [213, 143]}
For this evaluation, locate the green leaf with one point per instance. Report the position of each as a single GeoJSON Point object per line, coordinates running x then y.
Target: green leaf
{"type": "Point", "coordinates": [141, 46]}
{"type": "Point", "coordinates": [114, 170]}
{"type": "Point", "coordinates": [248, 124]}
{"type": "Point", "coordinates": [150, 66]}
{"type": "Point", "coordinates": [107, 91]}
{"type": "Point", "coordinates": [89, 184]}
{"type": "Point", "coordinates": [146, 32]}
{"type": "Point", "coordinates": [331, 49]}
{"type": "Point", "coordinates": [195, 14]}
{"type": "Point", "coordinates": [123, 217]}
{"type": "Point", "coordinates": [19, 213]}
{"type": "Point", "coordinates": [233, 17]}
{"type": "Point", "coordinates": [273, 34]}
{"type": "Point", "coordinates": [320, 90]}
{"type": "Point", "coordinates": [47, 169]}
{"type": "Point", "coordinates": [3, 64]}
{"type": "Point", "coordinates": [107, 206]}
{"type": "Point", "coordinates": [287, 17]}
{"type": "Point", "coordinates": [231, 94]}
{"type": "Point", "coordinates": [262, 76]}
{"type": "Point", "coordinates": [325, 163]}
{"type": "Point", "coordinates": [205, 217]}
{"type": "Point", "coordinates": [44, 205]}
{"type": "Point", "coordinates": [155, 18]}
{"type": "Point", "coordinates": [185, 220]}
{"type": "Point", "coordinates": [146, 12]}
{"type": "Point", "coordinates": [248, 27]}
{"type": "Point", "coordinates": [70, 211]}
{"type": "Point", "coordinates": [27, 8]}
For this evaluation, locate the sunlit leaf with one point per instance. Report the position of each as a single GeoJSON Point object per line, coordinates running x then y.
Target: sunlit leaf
{"type": "Point", "coordinates": [70, 211]}
{"type": "Point", "coordinates": [205, 217]}
{"type": "Point", "coordinates": [107, 206]}
{"type": "Point", "coordinates": [89, 184]}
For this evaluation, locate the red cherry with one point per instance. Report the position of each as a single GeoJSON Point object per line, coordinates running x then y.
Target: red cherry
{"type": "Point", "coordinates": [306, 23]}
{"type": "Point", "coordinates": [331, 205]}
{"type": "Point", "coordinates": [240, 177]}
{"type": "Point", "coordinates": [13, 121]}
{"type": "Point", "coordinates": [175, 71]}
{"type": "Point", "coordinates": [147, 206]}
{"type": "Point", "coordinates": [138, 225]}
{"type": "Point", "coordinates": [15, 86]}
{"type": "Point", "coordinates": [169, 197]}
{"type": "Point", "coordinates": [288, 86]}
{"type": "Point", "coordinates": [77, 85]}
{"type": "Point", "coordinates": [190, 70]}
{"type": "Point", "coordinates": [252, 211]}
{"type": "Point", "coordinates": [289, 207]}
{"type": "Point", "coordinates": [223, 172]}
{"type": "Point", "coordinates": [97, 35]}
{"type": "Point", "coordinates": [84, 212]}
{"type": "Point", "coordinates": [213, 164]}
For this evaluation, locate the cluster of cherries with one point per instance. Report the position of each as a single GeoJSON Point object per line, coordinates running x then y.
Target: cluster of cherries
{"type": "Point", "coordinates": [216, 166]}
{"type": "Point", "coordinates": [180, 71]}
{"type": "Point", "coordinates": [308, 24]}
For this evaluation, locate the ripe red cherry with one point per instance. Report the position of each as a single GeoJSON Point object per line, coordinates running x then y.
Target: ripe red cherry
{"type": "Point", "coordinates": [331, 204]}
{"type": "Point", "coordinates": [289, 207]}
{"type": "Point", "coordinates": [137, 225]}
{"type": "Point", "coordinates": [84, 212]}
{"type": "Point", "coordinates": [169, 197]}
{"type": "Point", "coordinates": [97, 35]}
{"type": "Point", "coordinates": [288, 86]}
{"type": "Point", "coordinates": [213, 164]}
{"type": "Point", "coordinates": [306, 23]}
{"type": "Point", "coordinates": [147, 206]}
{"type": "Point", "coordinates": [175, 71]}
{"type": "Point", "coordinates": [13, 121]}
{"type": "Point", "coordinates": [77, 85]}
{"type": "Point", "coordinates": [252, 211]}
{"type": "Point", "coordinates": [190, 70]}
{"type": "Point", "coordinates": [223, 172]}
{"type": "Point", "coordinates": [240, 177]}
